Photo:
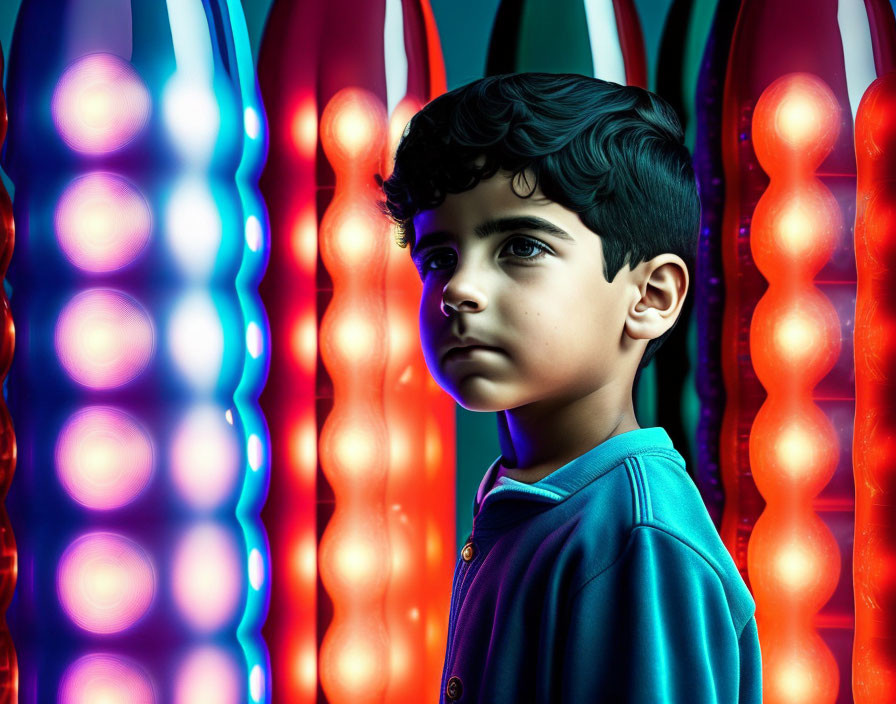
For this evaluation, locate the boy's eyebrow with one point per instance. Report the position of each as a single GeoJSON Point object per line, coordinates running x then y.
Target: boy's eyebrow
{"type": "Point", "coordinates": [491, 227]}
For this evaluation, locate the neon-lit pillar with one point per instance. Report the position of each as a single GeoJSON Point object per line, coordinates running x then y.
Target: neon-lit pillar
{"type": "Point", "coordinates": [787, 358]}
{"type": "Point", "coordinates": [793, 558]}
{"type": "Point", "coordinates": [8, 668]}
{"type": "Point", "coordinates": [373, 602]}
{"type": "Point", "coordinates": [874, 442]}
{"type": "Point", "coordinates": [354, 450]}
{"type": "Point", "coordinates": [257, 338]}
{"type": "Point", "coordinates": [142, 457]}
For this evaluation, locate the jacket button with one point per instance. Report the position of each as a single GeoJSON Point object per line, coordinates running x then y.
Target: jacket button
{"type": "Point", "coordinates": [455, 688]}
{"type": "Point", "coordinates": [467, 552]}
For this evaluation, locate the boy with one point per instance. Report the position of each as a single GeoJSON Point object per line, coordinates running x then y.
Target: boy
{"type": "Point", "coordinates": [593, 572]}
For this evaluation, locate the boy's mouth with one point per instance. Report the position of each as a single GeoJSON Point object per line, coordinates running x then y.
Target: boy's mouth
{"type": "Point", "coordinates": [468, 352]}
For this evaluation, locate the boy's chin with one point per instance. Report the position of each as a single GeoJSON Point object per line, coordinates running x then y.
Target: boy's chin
{"type": "Point", "coordinates": [479, 404]}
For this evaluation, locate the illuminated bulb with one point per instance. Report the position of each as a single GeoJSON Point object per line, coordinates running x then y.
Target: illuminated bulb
{"type": "Point", "coordinates": [353, 129]}
{"type": "Point", "coordinates": [100, 104]}
{"type": "Point", "coordinates": [303, 449]}
{"type": "Point", "coordinates": [794, 567]}
{"type": "Point", "coordinates": [192, 117]}
{"type": "Point", "coordinates": [102, 222]}
{"type": "Point", "coordinates": [105, 679]}
{"type": "Point", "coordinates": [353, 450]}
{"type": "Point", "coordinates": [207, 577]}
{"type": "Point", "coordinates": [795, 229]}
{"type": "Point", "coordinates": [196, 339]}
{"type": "Point", "coordinates": [253, 124]}
{"type": "Point", "coordinates": [794, 450]}
{"type": "Point", "coordinates": [797, 118]}
{"type": "Point", "coordinates": [795, 335]}
{"type": "Point", "coordinates": [256, 455]}
{"type": "Point", "coordinates": [208, 676]}
{"type": "Point", "coordinates": [305, 667]}
{"type": "Point", "coordinates": [355, 240]}
{"type": "Point", "coordinates": [303, 341]}
{"type": "Point", "coordinates": [105, 582]}
{"type": "Point", "coordinates": [256, 683]}
{"type": "Point", "coordinates": [256, 569]}
{"type": "Point", "coordinates": [193, 227]}
{"type": "Point", "coordinates": [794, 682]}
{"type": "Point", "coordinates": [303, 128]}
{"type": "Point", "coordinates": [104, 457]}
{"type": "Point", "coordinates": [253, 340]}
{"type": "Point", "coordinates": [204, 457]}
{"type": "Point", "coordinates": [303, 240]}
{"type": "Point", "coordinates": [104, 338]}
{"type": "Point", "coordinates": [304, 560]}
{"type": "Point", "coordinates": [357, 665]}
{"type": "Point", "coordinates": [354, 336]}
{"type": "Point", "coordinates": [253, 233]}
{"type": "Point", "coordinates": [356, 561]}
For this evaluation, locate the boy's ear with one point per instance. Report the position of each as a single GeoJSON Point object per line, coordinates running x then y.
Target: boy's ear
{"type": "Point", "coordinates": [661, 285]}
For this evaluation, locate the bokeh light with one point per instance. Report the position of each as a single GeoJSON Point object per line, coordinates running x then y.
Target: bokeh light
{"type": "Point", "coordinates": [256, 684]}
{"type": "Point", "coordinates": [102, 678]}
{"type": "Point", "coordinates": [192, 117]}
{"type": "Point", "coordinates": [256, 569]}
{"type": "Point", "coordinates": [253, 233]}
{"type": "Point", "coordinates": [196, 340]}
{"type": "Point", "coordinates": [104, 338]}
{"type": "Point", "coordinates": [208, 676]}
{"type": "Point", "coordinates": [193, 227]}
{"type": "Point", "coordinates": [105, 582]}
{"type": "Point", "coordinates": [205, 457]}
{"type": "Point", "coordinates": [100, 104]}
{"type": "Point", "coordinates": [102, 222]}
{"type": "Point", "coordinates": [104, 457]}
{"type": "Point", "coordinates": [207, 577]}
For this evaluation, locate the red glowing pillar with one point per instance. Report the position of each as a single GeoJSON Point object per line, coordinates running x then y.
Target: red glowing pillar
{"type": "Point", "coordinates": [874, 440]}
{"type": "Point", "coordinates": [787, 431]}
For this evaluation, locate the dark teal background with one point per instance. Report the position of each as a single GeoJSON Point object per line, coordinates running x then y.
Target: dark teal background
{"type": "Point", "coordinates": [464, 30]}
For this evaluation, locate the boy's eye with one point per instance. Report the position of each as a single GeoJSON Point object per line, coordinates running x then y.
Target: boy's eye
{"type": "Point", "coordinates": [529, 243]}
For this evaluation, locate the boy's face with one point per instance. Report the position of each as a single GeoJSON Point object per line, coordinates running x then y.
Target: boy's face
{"type": "Point", "coordinates": [557, 321]}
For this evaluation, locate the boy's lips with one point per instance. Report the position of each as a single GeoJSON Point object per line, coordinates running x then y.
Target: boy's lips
{"type": "Point", "coordinates": [460, 343]}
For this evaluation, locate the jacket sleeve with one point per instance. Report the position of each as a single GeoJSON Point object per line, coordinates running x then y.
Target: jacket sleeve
{"type": "Point", "coordinates": [656, 626]}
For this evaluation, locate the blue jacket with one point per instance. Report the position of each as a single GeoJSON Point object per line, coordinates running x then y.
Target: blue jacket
{"type": "Point", "coordinates": [606, 581]}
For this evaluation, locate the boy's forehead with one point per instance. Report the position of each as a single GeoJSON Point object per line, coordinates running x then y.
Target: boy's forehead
{"type": "Point", "coordinates": [489, 198]}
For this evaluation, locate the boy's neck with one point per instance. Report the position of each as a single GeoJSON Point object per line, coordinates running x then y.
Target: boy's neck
{"type": "Point", "coordinates": [565, 453]}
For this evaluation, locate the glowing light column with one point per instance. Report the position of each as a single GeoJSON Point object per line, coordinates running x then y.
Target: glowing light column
{"type": "Point", "coordinates": [256, 248]}
{"type": "Point", "coordinates": [874, 440]}
{"type": "Point", "coordinates": [142, 456]}
{"type": "Point", "coordinates": [794, 451]}
{"type": "Point", "coordinates": [793, 558]}
{"type": "Point", "coordinates": [361, 434]}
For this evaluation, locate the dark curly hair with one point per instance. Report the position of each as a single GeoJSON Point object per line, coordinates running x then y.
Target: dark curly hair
{"type": "Point", "coordinates": [614, 154]}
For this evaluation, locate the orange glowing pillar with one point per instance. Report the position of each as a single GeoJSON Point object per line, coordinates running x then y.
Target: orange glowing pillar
{"type": "Point", "coordinates": [420, 496]}
{"type": "Point", "coordinates": [354, 448]}
{"type": "Point", "coordinates": [793, 559]}
{"type": "Point", "coordinates": [874, 439]}
{"type": "Point", "coordinates": [337, 630]}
